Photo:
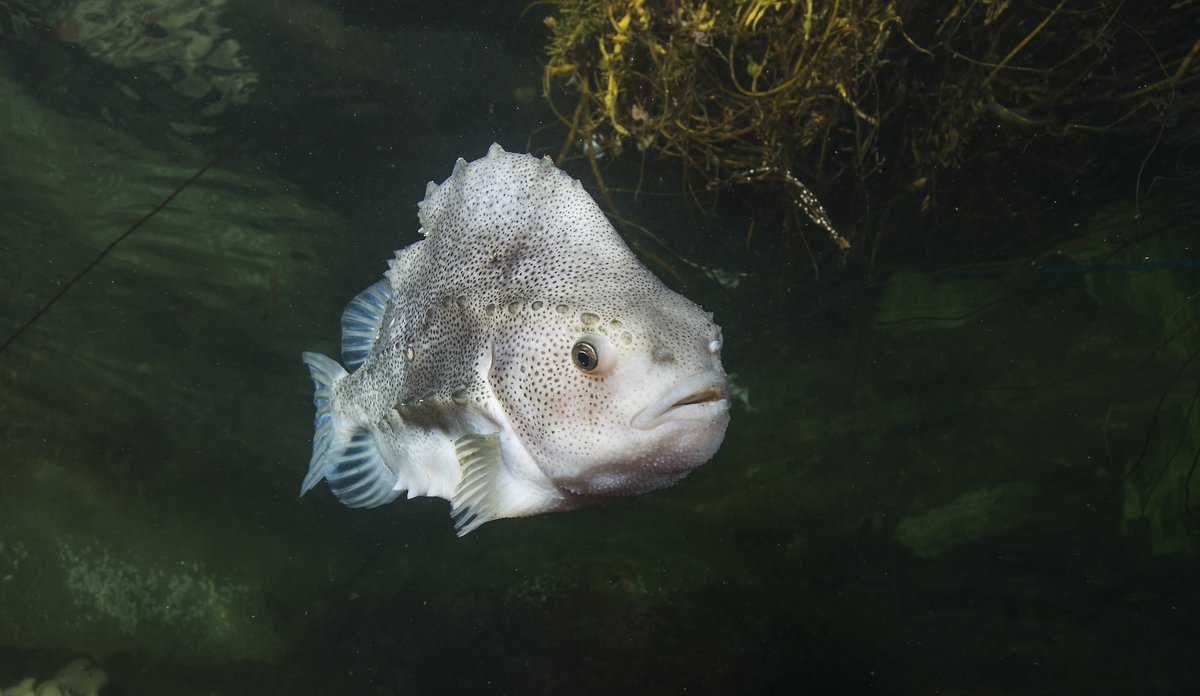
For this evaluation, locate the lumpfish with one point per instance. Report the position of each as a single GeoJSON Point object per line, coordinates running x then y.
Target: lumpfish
{"type": "Point", "coordinates": [517, 360]}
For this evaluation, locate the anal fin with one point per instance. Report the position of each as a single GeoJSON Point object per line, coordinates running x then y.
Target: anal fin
{"type": "Point", "coordinates": [356, 473]}
{"type": "Point", "coordinates": [345, 455]}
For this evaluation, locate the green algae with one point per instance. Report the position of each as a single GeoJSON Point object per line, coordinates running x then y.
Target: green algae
{"type": "Point", "coordinates": [987, 512]}
{"type": "Point", "coordinates": [112, 420]}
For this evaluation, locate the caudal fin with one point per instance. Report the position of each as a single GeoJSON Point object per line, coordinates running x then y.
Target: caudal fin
{"type": "Point", "coordinates": [344, 454]}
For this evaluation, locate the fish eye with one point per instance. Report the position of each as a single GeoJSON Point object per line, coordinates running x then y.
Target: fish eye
{"type": "Point", "coordinates": [584, 355]}
{"type": "Point", "coordinates": [593, 354]}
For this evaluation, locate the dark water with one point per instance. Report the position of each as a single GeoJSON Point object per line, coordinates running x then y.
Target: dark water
{"type": "Point", "coordinates": [971, 471]}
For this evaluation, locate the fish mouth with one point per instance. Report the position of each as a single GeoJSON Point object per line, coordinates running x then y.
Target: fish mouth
{"type": "Point", "coordinates": [702, 396]}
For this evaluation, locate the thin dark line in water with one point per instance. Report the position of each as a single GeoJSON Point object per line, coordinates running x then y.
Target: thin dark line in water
{"type": "Point", "coordinates": [225, 152]}
{"type": "Point", "coordinates": [1187, 487]}
{"type": "Point", "coordinates": [1183, 439]}
{"type": "Point", "coordinates": [1158, 407]}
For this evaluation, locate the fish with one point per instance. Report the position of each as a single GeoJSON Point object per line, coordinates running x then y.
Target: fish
{"type": "Point", "coordinates": [518, 359]}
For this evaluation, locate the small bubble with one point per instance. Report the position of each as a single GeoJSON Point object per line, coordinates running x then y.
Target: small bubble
{"type": "Point", "coordinates": [537, 305]}
{"type": "Point", "coordinates": [562, 309]}
{"type": "Point", "coordinates": [410, 353]}
{"type": "Point", "coordinates": [588, 318]}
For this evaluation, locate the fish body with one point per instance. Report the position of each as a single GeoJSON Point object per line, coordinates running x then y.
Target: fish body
{"type": "Point", "coordinates": [518, 359]}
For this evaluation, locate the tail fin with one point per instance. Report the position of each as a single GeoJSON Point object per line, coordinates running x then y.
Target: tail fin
{"type": "Point", "coordinates": [344, 454]}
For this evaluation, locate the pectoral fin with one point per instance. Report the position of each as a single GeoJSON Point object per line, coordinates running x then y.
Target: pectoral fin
{"type": "Point", "coordinates": [477, 498]}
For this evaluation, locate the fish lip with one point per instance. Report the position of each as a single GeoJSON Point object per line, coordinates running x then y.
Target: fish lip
{"type": "Point", "coordinates": [701, 396]}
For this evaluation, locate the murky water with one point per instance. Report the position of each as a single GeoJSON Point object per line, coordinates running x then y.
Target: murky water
{"type": "Point", "coordinates": [971, 471]}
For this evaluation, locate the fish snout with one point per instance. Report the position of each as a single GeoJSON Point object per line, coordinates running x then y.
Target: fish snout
{"type": "Point", "coordinates": [701, 397]}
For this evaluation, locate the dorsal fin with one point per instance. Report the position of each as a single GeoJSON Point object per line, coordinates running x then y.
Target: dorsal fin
{"type": "Point", "coordinates": [361, 322]}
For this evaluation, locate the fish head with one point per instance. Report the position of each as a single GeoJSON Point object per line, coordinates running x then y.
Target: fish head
{"type": "Point", "coordinates": [615, 395]}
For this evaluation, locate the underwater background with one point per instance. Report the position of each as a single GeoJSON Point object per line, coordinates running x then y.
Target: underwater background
{"type": "Point", "coordinates": [962, 456]}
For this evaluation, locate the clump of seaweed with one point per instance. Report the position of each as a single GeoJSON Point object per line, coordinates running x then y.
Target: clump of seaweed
{"type": "Point", "coordinates": [18, 18]}
{"type": "Point", "coordinates": [735, 89]}
{"type": "Point", "coordinates": [775, 93]}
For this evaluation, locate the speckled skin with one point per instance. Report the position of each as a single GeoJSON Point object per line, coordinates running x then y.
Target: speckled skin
{"type": "Point", "coordinates": [517, 265]}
